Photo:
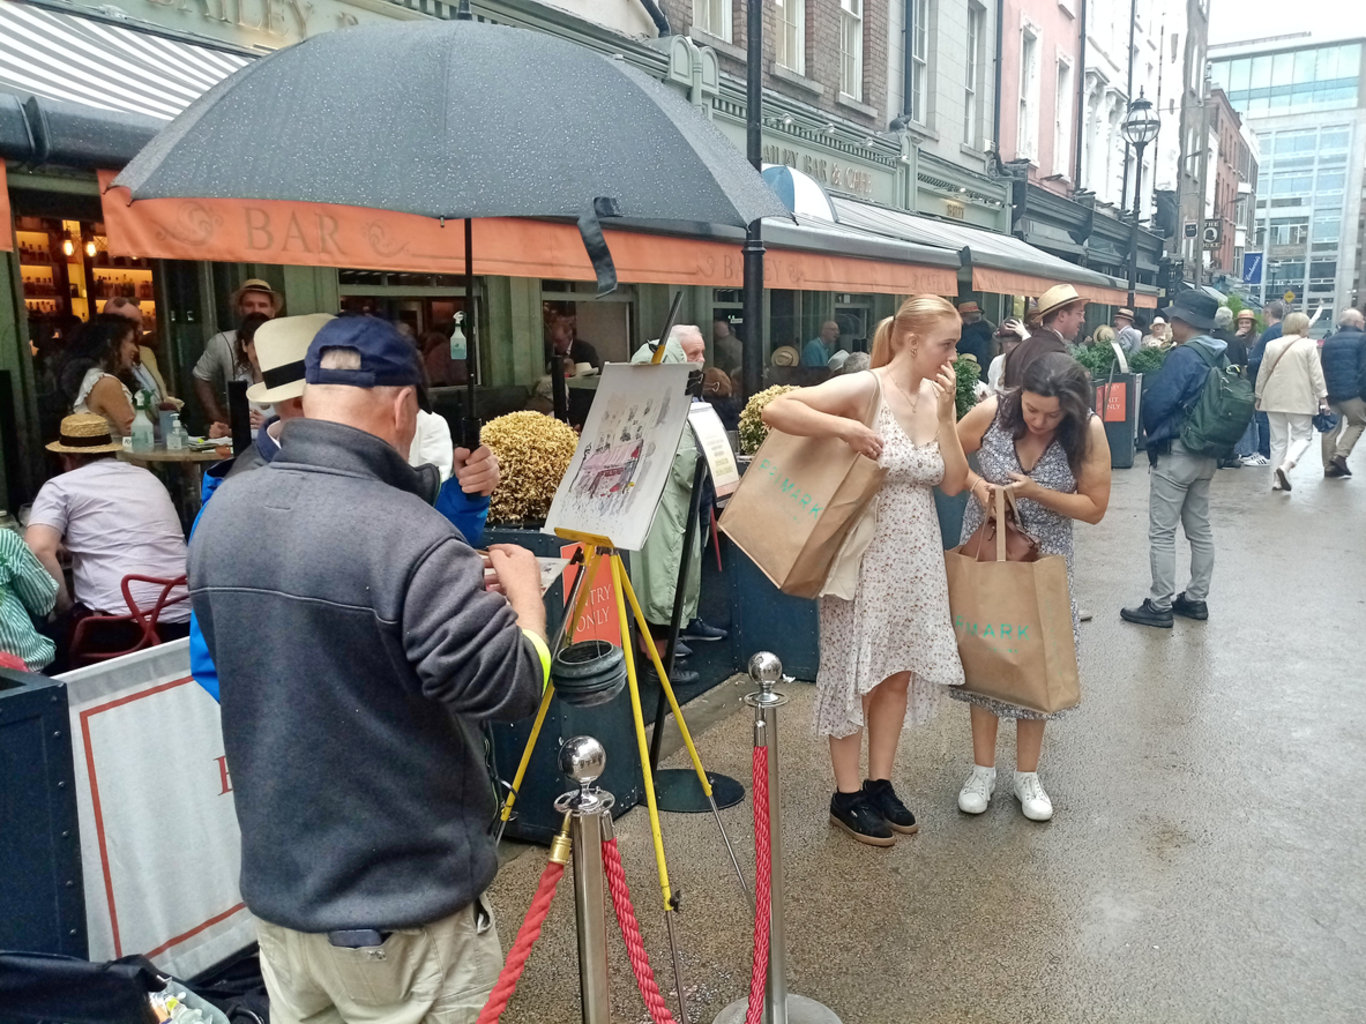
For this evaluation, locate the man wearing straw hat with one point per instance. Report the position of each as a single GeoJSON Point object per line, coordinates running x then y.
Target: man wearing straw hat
{"type": "Point", "coordinates": [218, 364]}
{"type": "Point", "coordinates": [1061, 312]}
{"type": "Point", "coordinates": [1130, 338]}
{"type": "Point", "coordinates": [114, 519]}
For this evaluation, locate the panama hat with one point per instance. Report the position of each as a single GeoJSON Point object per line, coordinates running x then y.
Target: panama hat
{"type": "Point", "coordinates": [1055, 298]}
{"type": "Point", "coordinates": [255, 284]}
{"type": "Point", "coordinates": [1246, 314]}
{"type": "Point", "coordinates": [1127, 314]}
{"type": "Point", "coordinates": [786, 355]}
{"type": "Point", "coordinates": [84, 433]}
{"type": "Point", "coordinates": [969, 307]}
{"type": "Point", "coordinates": [281, 346]}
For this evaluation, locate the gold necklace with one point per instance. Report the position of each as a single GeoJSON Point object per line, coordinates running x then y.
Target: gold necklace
{"type": "Point", "coordinates": [914, 401]}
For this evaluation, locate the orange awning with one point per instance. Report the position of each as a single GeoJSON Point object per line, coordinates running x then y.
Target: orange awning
{"type": "Point", "coordinates": [324, 235]}
{"type": "Point", "coordinates": [1010, 282]}
{"type": "Point", "coordinates": [6, 227]}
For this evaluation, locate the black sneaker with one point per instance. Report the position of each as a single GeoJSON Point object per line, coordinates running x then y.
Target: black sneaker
{"type": "Point", "coordinates": [855, 813]}
{"type": "Point", "coordinates": [1341, 462]}
{"type": "Point", "coordinates": [678, 677]}
{"type": "Point", "coordinates": [1183, 606]}
{"type": "Point", "coordinates": [897, 815]}
{"type": "Point", "coordinates": [1333, 470]}
{"type": "Point", "coordinates": [1147, 614]}
{"type": "Point", "coordinates": [699, 632]}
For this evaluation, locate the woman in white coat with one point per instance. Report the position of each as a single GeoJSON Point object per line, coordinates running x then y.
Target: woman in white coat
{"type": "Point", "coordinates": [1290, 390]}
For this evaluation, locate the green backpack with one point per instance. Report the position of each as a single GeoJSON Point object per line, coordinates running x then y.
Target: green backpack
{"type": "Point", "coordinates": [1219, 416]}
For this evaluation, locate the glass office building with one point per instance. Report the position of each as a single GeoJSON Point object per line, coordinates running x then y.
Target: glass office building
{"type": "Point", "coordinates": [1307, 106]}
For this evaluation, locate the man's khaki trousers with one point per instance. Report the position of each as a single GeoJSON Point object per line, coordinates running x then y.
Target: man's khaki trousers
{"type": "Point", "coordinates": [441, 973]}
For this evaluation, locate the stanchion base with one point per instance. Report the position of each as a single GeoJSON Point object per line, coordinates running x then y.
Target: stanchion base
{"type": "Point", "coordinates": [677, 790]}
{"type": "Point", "coordinates": [800, 1010]}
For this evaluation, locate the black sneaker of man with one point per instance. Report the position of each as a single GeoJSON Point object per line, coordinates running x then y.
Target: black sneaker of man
{"type": "Point", "coordinates": [897, 815]}
{"type": "Point", "coordinates": [1147, 614]}
{"type": "Point", "coordinates": [1186, 608]}
{"type": "Point", "coordinates": [678, 677]}
{"type": "Point", "coordinates": [1340, 461]}
{"type": "Point", "coordinates": [699, 632]}
{"type": "Point", "coordinates": [1333, 471]}
{"type": "Point", "coordinates": [855, 813]}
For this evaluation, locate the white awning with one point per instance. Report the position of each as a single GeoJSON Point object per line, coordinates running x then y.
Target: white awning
{"type": "Point", "coordinates": [99, 64]}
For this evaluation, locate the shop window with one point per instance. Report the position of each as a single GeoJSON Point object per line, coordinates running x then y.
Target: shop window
{"type": "Point", "coordinates": [433, 309]}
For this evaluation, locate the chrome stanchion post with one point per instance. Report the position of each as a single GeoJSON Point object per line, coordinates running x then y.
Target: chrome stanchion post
{"type": "Point", "coordinates": [780, 1006]}
{"type": "Point", "coordinates": [589, 810]}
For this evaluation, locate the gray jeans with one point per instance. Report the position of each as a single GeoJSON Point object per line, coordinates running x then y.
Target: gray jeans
{"type": "Point", "coordinates": [1180, 494]}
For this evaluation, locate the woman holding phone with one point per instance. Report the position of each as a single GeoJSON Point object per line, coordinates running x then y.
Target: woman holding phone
{"type": "Point", "coordinates": [892, 646]}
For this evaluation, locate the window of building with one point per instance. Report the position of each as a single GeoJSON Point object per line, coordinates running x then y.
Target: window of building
{"type": "Point", "coordinates": [920, 60]}
{"type": "Point", "coordinates": [713, 17]}
{"type": "Point", "coordinates": [1027, 129]}
{"type": "Point", "coordinates": [790, 45]}
{"type": "Point", "coordinates": [851, 48]}
{"type": "Point", "coordinates": [977, 17]}
{"type": "Point", "coordinates": [1327, 227]}
{"type": "Point", "coordinates": [1062, 119]}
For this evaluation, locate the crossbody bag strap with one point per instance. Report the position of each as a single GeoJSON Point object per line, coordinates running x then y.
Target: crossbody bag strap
{"type": "Point", "coordinates": [874, 401]}
{"type": "Point", "coordinates": [1275, 363]}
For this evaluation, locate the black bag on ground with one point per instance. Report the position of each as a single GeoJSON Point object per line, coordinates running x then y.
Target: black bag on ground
{"type": "Point", "coordinates": [46, 986]}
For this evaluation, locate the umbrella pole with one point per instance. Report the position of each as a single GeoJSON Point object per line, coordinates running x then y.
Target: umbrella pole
{"type": "Point", "coordinates": [470, 431]}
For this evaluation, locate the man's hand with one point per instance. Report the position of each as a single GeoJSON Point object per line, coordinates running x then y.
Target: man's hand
{"type": "Point", "coordinates": [518, 575]}
{"type": "Point", "coordinates": [219, 430]}
{"type": "Point", "coordinates": [477, 472]}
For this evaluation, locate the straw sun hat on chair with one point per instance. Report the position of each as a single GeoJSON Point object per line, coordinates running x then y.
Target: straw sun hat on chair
{"type": "Point", "coordinates": [84, 433]}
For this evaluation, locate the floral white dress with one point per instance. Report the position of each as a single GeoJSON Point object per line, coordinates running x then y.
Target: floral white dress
{"type": "Point", "coordinates": [899, 618]}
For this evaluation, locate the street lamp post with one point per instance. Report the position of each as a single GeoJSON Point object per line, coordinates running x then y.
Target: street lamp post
{"type": "Point", "coordinates": [1140, 127]}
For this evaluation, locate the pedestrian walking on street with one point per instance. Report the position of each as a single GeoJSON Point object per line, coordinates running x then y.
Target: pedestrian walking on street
{"type": "Point", "coordinates": [1180, 478]}
{"type": "Point", "coordinates": [1272, 315]}
{"type": "Point", "coordinates": [1130, 338]}
{"type": "Point", "coordinates": [893, 644]}
{"type": "Point", "coordinates": [1290, 390]}
{"type": "Point", "coordinates": [1042, 443]}
{"type": "Point", "coordinates": [1344, 372]}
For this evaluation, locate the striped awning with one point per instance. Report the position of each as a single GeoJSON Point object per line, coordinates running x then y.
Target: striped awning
{"type": "Point", "coordinates": [100, 64]}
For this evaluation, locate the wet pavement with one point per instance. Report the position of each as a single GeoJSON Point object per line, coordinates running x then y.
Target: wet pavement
{"type": "Point", "coordinates": [1205, 862]}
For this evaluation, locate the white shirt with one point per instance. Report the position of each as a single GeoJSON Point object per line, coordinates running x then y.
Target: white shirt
{"type": "Point", "coordinates": [116, 519]}
{"type": "Point", "coordinates": [432, 444]}
{"type": "Point", "coordinates": [995, 372]}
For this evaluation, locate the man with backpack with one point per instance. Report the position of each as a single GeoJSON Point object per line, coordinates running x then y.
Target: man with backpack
{"type": "Point", "coordinates": [1196, 409]}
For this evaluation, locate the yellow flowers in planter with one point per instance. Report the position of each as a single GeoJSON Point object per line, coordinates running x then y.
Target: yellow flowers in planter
{"type": "Point", "coordinates": [534, 451]}
{"type": "Point", "coordinates": [752, 429]}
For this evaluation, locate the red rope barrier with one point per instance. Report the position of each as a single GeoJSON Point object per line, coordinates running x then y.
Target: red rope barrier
{"type": "Point", "coordinates": [763, 888]}
{"type": "Point", "coordinates": [521, 949]}
{"type": "Point", "coordinates": [630, 932]}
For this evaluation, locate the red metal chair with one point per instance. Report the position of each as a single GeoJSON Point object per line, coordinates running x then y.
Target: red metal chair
{"type": "Point", "coordinates": [143, 623]}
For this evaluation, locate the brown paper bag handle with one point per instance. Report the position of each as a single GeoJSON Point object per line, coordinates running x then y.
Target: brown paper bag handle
{"type": "Point", "coordinates": [1001, 524]}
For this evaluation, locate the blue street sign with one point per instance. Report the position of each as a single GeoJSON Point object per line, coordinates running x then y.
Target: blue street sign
{"type": "Point", "coordinates": [1252, 268]}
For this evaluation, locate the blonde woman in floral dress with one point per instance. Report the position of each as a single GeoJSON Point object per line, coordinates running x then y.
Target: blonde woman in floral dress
{"type": "Point", "coordinates": [891, 648]}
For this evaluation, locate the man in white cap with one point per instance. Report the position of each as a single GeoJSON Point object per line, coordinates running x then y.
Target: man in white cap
{"type": "Point", "coordinates": [1062, 313]}
{"type": "Point", "coordinates": [218, 364]}
{"type": "Point", "coordinates": [1130, 338]}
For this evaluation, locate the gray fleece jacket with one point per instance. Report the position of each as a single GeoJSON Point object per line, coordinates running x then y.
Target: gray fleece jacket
{"type": "Point", "coordinates": [357, 651]}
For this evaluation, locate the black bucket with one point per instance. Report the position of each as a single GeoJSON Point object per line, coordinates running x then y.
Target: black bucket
{"type": "Point", "coordinates": [588, 672]}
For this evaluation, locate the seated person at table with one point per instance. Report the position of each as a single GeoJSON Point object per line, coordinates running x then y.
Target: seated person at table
{"type": "Point", "coordinates": [27, 592]}
{"type": "Point", "coordinates": [114, 519]}
{"type": "Point", "coordinates": [146, 371]}
{"type": "Point", "coordinates": [112, 342]}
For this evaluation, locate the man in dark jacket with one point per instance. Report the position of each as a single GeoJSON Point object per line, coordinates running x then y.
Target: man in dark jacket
{"type": "Point", "coordinates": [975, 340]}
{"type": "Point", "coordinates": [358, 650]}
{"type": "Point", "coordinates": [1272, 314]}
{"type": "Point", "coordinates": [1062, 313]}
{"type": "Point", "coordinates": [1180, 478]}
{"type": "Point", "coordinates": [1344, 371]}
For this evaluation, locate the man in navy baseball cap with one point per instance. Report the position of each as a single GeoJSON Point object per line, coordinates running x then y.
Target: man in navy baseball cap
{"type": "Point", "coordinates": [379, 357]}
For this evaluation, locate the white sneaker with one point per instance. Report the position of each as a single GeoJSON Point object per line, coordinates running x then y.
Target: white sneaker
{"type": "Point", "coordinates": [1255, 459]}
{"type": "Point", "coordinates": [1034, 801]}
{"type": "Point", "coordinates": [975, 795]}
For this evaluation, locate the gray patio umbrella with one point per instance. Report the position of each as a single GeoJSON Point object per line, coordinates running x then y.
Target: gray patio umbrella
{"type": "Point", "coordinates": [453, 120]}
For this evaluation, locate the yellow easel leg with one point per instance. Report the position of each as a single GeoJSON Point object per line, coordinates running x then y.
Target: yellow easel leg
{"type": "Point", "coordinates": [668, 688]}
{"type": "Point", "coordinates": [618, 585]}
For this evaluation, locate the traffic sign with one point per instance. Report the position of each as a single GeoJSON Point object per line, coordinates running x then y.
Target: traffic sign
{"type": "Point", "coordinates": [1289, 296]}
{"type": "Point", "coordinates": [1192, 230]}
{"type": "Point", "coordinates": [1252, 268]}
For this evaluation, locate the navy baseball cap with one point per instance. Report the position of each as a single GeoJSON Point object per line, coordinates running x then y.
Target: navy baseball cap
{"type": "Point", "coordinates": [387, 358]}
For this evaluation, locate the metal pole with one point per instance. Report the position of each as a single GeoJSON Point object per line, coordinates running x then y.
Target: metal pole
{"type": "Point", "coordinates": [753, 362]}
{"type": "Point", "coordinates": [590, 814]}
{"type": "Point", "coordinates": [780, 1006]}
{"type": "Point", "coordinates": [1138, 209]}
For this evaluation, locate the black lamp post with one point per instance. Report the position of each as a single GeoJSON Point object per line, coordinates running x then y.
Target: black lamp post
{"type": "Point", "coordinates": [754, 351]}
{"type": "Point", "coordinates": [1140, 128]}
